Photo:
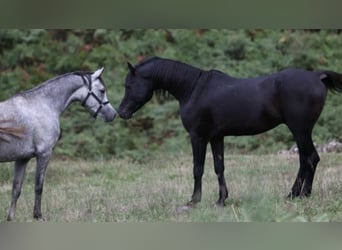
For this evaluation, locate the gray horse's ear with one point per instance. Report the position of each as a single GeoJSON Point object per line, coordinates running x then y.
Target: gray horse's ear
{"type": "Point", "coordinates": [131, 68]}
{"type": "Point", "coordinates": [97, 74]}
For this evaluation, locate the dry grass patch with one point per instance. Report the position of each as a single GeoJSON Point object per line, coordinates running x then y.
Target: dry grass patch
{"type": "Point", "coordinates": [124, 190]}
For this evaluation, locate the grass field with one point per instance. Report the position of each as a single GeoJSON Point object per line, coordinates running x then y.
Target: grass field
{"type": "Point", "coordinates": [121, 190]}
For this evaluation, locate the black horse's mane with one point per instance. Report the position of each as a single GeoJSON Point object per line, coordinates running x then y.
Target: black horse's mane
{"type": "Point", "coordinates": [161, 70]}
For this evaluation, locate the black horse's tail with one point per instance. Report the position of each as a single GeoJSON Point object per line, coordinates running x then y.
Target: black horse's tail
{"type": "Point", "coordinates": [331, 79]}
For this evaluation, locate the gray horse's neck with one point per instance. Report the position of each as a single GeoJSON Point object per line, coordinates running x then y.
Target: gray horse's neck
{"type": "Point", "coordinates": [58, 93]}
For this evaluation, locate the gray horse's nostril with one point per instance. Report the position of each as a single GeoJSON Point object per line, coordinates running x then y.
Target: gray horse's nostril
{"type": "Point", "coordinates": [113, 117]}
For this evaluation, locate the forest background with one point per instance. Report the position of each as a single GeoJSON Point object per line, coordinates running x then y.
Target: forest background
{"type": "Point", "coordinates": [29, 57]}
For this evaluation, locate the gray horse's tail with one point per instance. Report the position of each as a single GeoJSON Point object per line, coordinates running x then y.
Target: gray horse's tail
{"type": "Point", "coordinates": [332, 80]}
{"type": "Point", "coordinates": [15, 132]}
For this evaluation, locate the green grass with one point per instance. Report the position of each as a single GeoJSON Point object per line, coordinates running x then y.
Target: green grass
{"type": "Point", "coordinates": [121, 190]}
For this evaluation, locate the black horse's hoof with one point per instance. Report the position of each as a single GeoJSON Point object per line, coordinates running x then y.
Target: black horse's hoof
{"type": "Point", "coordinates": [188, 206]}
{"type": "Point", "coordinates": [292, 196]}
{"type": "Point", "coordinates": [184, 208]}
{"type": "Point", "coordinates": [39, 218]}
{"type": "Point", "coordinates": [220, 203]}
{"type": "Point", "coordinates": [192, 203]}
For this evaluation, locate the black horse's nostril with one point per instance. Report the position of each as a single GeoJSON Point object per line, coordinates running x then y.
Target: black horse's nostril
{"type": "Point", "coordinates": [120, 113]}
{"type": "Point", "coordinates": [124, 115]}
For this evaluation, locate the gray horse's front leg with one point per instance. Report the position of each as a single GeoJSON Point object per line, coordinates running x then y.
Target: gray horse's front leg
{"type": "Point", "coordinates": [19, 173]}
{"type": "Point", "coordinates": [42, 163]}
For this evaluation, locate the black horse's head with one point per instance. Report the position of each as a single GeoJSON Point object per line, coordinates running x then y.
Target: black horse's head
{"type": "Point", "coordinates": [138, 91]}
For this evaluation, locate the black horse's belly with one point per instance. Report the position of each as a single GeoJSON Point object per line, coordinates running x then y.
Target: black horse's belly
{"type": "Point", "coordinates": [242, 119]}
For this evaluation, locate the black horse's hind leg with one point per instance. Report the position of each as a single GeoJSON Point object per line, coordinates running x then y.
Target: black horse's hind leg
{"type": "Point", "coordinates": [42, 162]}
{"type": "Point", "coordinates": [19, 173]}
{"type": "Point", "coordinates": [308, 158]}
{"type": "Point", "coordinates": [199, 147]}
{"type": "Point", "coordinates": [217, 150]}
{"type": "Point", "coordinates": [310, 174]}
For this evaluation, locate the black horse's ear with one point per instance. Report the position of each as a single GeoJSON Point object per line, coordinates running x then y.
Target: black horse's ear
{"type": "Point", "coordinates": [131, 68]}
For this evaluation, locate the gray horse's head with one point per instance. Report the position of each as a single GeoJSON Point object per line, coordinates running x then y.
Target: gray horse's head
{"type": "Point", "coordinates": [96, 97]}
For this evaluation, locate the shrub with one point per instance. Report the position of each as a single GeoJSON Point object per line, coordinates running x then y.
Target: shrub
{"type": "Point", "coordinates": [29, 57]}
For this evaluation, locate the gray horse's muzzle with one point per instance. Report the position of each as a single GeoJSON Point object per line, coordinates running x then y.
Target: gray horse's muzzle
{"type": "Point", "coordinates": [108, 114]}
{"type": "Point", "coordinates": [101, 104]}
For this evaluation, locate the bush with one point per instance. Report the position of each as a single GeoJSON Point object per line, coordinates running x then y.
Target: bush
{"type": "Point", "coordinates": [29, 57]}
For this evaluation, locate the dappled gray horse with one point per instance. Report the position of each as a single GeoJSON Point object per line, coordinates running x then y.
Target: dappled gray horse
{"type": "Point", "coordinates": [30, 124]}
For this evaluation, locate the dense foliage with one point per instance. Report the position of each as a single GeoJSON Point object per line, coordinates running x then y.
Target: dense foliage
{"type": "Point", "coordinates": [29, 57]}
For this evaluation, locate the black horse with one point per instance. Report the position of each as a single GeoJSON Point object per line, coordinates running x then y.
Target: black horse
{"type": "Point", "coordinates": [214, 105]}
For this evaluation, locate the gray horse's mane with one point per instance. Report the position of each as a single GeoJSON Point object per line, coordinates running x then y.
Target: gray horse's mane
{"type": "Point", "coordinates": [54, 79]}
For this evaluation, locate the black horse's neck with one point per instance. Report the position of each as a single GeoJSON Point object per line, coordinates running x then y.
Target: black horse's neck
{"type": "Point", "coordinates": [179, 79]}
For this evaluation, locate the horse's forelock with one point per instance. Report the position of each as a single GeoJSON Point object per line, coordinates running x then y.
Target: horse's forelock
{"type": "Point", "coordinates": [88, 74]}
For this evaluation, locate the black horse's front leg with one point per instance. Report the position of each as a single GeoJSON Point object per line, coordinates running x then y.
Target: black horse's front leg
{"type": "Point", "coordinates": [217, 150]}
{"type": "Point", "coordinates": [199, 147]}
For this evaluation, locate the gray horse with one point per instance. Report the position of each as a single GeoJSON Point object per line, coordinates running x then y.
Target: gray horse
{"type": "Point", "coordinates": [30, 124]}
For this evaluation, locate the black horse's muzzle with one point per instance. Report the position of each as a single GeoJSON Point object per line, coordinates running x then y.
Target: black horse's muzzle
{"type": "Point", "coordinates": [126, 109]}
{"type": "Point", "coordinates": [124, 115]}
